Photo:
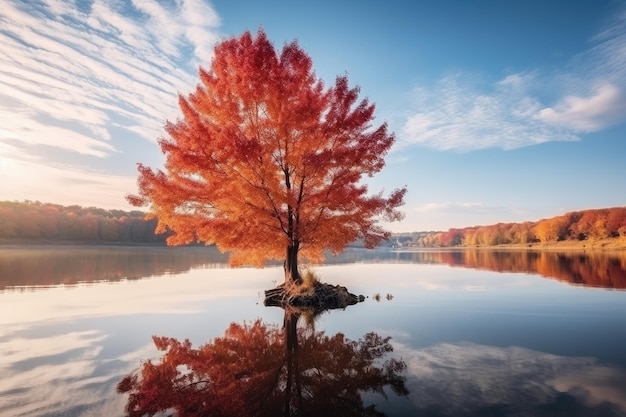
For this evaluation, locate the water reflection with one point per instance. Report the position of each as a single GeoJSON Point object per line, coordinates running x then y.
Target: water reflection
{"type": "Point", "coordinates": [49, 266]}
{"type": "Point", "coordinates": [597, 270]}
{"type": "Point", "coordinates": [521, 346]}
{"type": "Point", "coordinates": [70, 265]}
{"type": "Point", "coordinates": [467, 379]}
{"type": "Point", "coordinates": [603, 270]}
{"type": "Point", "coordinates": [257, 369]}
{"type": "Point", "coordinates": [60, 374]}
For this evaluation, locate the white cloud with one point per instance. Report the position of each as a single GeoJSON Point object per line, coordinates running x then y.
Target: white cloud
{"type": "Point", "coordinates": [464, 113]}
{"type": "Point", "coordinates": [587, 114]}
{"type": "Point", "coordinates": [606, 60]}
{"type": "Point", "coordinates": [460, 117]}
{"type": "Point", "coordinates": [116, 61]}
{"type": "Point", "coordinates": [439, 207]}
{"type": "Point", "coordinates": [25, 177]}
{"type": "Point", "coordinates": [197, 14]}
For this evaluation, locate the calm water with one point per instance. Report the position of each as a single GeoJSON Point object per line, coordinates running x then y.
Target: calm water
{"type": "Point", "coordinates": [473, 333]}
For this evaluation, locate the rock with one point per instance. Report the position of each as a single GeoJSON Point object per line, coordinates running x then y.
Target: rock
{"type": "Point", "coordinates": [323, 297]}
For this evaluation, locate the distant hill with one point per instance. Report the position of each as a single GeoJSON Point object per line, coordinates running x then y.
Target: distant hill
{"type": "Point", "coordinates": [46, 223]}
{"type": "Point", "coordinates": [577, 226]}
{"type": "Point", "coordinates": [35, 222]}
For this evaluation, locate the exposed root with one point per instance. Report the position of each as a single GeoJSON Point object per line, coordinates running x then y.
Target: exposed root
{"type": "Point", "coordinates": [318, 297]}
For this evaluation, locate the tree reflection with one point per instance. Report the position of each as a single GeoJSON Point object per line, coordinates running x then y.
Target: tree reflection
{"type": "Point", "coordinates": [257, 369]}
{"type": "Point", "coordinates": [597, 270]}
{"type": "Point", "coordinates": [589, 269]}
{"type": "Point", "coordinates": [69, 265]}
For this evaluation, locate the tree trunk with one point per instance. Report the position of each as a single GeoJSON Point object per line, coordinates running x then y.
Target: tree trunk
{"type": "Point", "coordinates": [291, 257]}
{"type": "Point", "coordinates": [291, 339]}
{"type": "Point", "coordinates": [291, 263]}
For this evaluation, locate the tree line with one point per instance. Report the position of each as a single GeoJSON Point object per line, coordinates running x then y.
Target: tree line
{"type": "Point", "coordinates": [575, 226]}
{"type": "Point", "coordinates": [45, 222]}
{"type": "Point", "coordinates": [33, 221]}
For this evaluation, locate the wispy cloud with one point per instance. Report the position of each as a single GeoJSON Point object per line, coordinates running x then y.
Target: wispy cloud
{"type": "Point", "coordinates": [607, 106]}
{"type": "Point", "coordinates": [71, 71]}
{"type": "Point", "coordinates": [455, 207]}
{"type": "Point", "coordinates": [463, 117]}
{"type": "Point", "coordinates": [28, 177]}
{"type": "Point", "coordinates": [466, 113]}
{"type": "Point", "coordinates": [83, 80]}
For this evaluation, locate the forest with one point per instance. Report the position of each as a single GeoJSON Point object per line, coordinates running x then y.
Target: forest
{"type": "Point", "coordinates": [30, 221]}
{"type": "Point", "coordinates": [35, 222]}
{"type": "Point", "coordinates": [592, 224]}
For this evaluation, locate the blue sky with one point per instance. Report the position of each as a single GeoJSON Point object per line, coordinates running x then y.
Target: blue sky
{"type": "Point", "coordinates": [504, 111]}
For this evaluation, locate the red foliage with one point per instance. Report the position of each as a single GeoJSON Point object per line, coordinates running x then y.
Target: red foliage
{"type": "Point", "coordinates": [579, 225]}
{"type": "Point", "coordinates": [266, 162]}
{"type": "Point", "coordinates": [260, 370]}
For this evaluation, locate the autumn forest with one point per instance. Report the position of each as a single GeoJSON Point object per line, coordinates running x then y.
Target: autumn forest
{"type": "Point", "coordinates": [52, 223]}
{"type": "Point", "coordinates": [581, 225]}
{"type": "Point", "coordinates": [25, 222]}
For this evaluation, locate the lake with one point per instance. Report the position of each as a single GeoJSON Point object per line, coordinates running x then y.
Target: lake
{"type": "Point", "coordinates": [440, 333]}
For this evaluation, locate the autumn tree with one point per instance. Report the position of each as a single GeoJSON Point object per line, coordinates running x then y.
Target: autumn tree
{"type": "Point", "coordinates": [452, 237]}
{"type": "Point", "coordinates": [267, 163]}
{"type": "Point", "coordinates": [553, 229]}
{"type": "Point", "coordinates": [616, 221]}
{"type": "Point", "coordinates": [261, 370]}
{"type": "Point", "coordinates": [44, 222]}
{"type": "Point", "coordinates": [522, 232]}
{"type": "Point", "coordinates": [585, 225]}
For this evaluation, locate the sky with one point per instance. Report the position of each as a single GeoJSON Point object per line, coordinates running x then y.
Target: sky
{"type": "Point", "coordinates": [503, 111]}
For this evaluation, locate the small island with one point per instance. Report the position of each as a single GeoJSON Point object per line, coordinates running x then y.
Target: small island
{"type": "Point", "coordinates": [311, 295]}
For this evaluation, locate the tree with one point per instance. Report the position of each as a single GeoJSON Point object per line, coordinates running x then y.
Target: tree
{"type": "Point", "coordinates": [267, 164]}
{"type": "Point", "coordinates": [260, 370]}
{"type": "Point", "coordinates": [616, 221]}
{"type": "Point", "coordinates": [585, 225]}
{"type": "Point", "coordinates": [553, 229]}
{"type": "Point", "coordinates": [452, 237]}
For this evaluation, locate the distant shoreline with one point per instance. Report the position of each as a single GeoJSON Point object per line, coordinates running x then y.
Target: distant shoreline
{"type": "Point", "coordinates": [61, 243]}
{"type": "Point", "coordinates": [596, 245]}
{"type": "Point", "coordinates": [609, 244]}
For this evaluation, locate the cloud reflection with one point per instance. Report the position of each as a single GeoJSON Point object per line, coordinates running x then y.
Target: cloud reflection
{"type": "Point", "coordinates": [468, 379]}
{"type": "Point", "coordinates": [60, 375]}
{"type": "Point", "coordinates": [187, 293]}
